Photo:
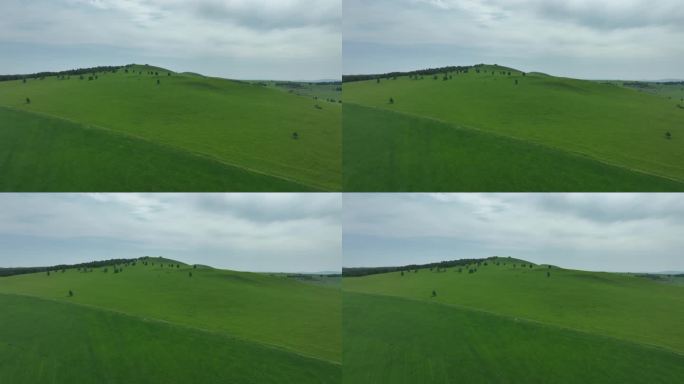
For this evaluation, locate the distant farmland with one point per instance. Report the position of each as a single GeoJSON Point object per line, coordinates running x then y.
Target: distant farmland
{"type": "Point", "coordinates": [492, 128]}
{"type": "Point", "coordinates": [158, 320]}
{"type": "Point", "coordinates": [503, 320]}
{"type": "Point", "coordinates": [144, 128]}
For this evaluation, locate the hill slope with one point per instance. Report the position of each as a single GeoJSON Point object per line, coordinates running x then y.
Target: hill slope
{"type": "Point", "coordinates": [594, 127]}
{"type": "Point", "coordinates": [505, 323]}
{"type": "Point", "coordinates": [220, 124]}
{"type": "Point", "coordinates": [247, 316]}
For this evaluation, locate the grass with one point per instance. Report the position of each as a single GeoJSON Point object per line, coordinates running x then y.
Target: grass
{"type": "Point", "coordinates": [47, 341]}
{"type": "Point", "coordinates": [233, 123]}
{"type": "Point", "coordinates": [419, 154]}
{"type": "Point", "coordinates": [299, 322]}
{"type": "Point", "coordinates": [596, 121]}
{"type": "Point", "coordinates": [512, 324]}
{"type": "Point", "coordinates": [46, 154]}
{"type": "Point", "coordinates": [394, 340]}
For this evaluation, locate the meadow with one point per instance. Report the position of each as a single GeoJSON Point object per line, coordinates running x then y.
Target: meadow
{"type": "Point", "coordinates": [470, 129]}
{"type": "Point", "coordinates": [184, 123]}
{"type": "Point", "coordinates": [512, 321]}
{"type": "Point", "coordinates": [168, 322]}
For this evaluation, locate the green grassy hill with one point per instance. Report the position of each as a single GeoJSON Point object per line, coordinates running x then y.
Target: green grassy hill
{"type": "Point", "coordinates": [509, 322]}
{"type": "Point", "coordinates": [212, 326]}
{"type": "Point", "coordinates": [147, 136]}
{"type": "Point", "coordinates": [483, 132]}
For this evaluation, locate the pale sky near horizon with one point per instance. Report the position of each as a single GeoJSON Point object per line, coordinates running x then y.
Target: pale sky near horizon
{"type": "Point", "coordinates": [608, 39]}
{"type": "Point", "coordinates": [261, 232]}
{"type": "Point", "coordinates": [240, 39]}
{"type": "Point", "coordinates": [618, 232]}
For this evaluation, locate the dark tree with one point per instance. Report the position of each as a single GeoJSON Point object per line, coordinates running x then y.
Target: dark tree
{"type": "Point", "coordinates": [391, 100]}
{"type": "Point", "coordinates": [23, 80]}
{"type": "Point", "coordinates": [28, 101]}
{"type": "Point", "coordinates": [71, 293]}
{"type": "Point", "coordinates": [48, 273]}
{"type": "Point", "coordinates": [377, 81]}
{"type": "Point", "coordinates": [434, 293]}
{"type": "Point", "coordinates": [548, 274]}
{"type": "Point", "coordinates": [668, 135]}
{"type": "Point", "coordinates": [295, 135]}
{"type": "Point", "coordinates": [194, 266]}
{"type": "Point", "coordinates": [158, 82]}
{"type": "Point", "coordinates": [168, 74]}
{"type": "Point", "coordinates": [516, 81]}
{"type": "Point", "coordinates": [190, 274]}
{"type": "Point", "coordinates": [402, 273]}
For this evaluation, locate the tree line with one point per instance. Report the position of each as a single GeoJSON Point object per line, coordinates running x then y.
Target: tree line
{"type": "Point", "coordinates": [4, 272]}
{"type": "Point", "coordinates": [364, 271]}
{"type": "Point", "coordinates": [79, 71]}
{"type": "Point", "coordinates": [420, 72]}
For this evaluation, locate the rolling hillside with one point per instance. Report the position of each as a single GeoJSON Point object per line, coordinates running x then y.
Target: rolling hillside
{"type": "Point", "coordinates": [145, 128]}
{"type": "Point", "coordinates": [497, 129]}
{"type": "Point", "coordinates": [169, 321]}
{"type": "Point", "coordinates": [512, 321]}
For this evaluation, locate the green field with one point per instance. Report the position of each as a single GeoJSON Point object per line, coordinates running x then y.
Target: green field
{"type": "Point", "coordinates": [123, 131]}
{"type": "Point", "coordinates": [155, 323]}
{"type": "Point", "coordinates": [483, 132]}
{"type": "Point", "coordinates": [512, 324]}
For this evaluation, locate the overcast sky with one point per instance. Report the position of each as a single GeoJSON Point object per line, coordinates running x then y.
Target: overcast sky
{"type": "Point", "coordinates": [244, 39]}
{"type": "Point", "coordinates": [276, 232]}
{"type": "Point", "coordinates": [606, 39]}
{"type": "Point", "coordinates": [606, 232]}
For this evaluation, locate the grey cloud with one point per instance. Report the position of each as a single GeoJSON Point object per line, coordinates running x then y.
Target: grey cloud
{"type": "Point", "coordinates": [616, 232]}
{"type": "Point", "coordinates": [288, 39]}
{"type": "Point", "coordinates": [273, 15]}
{"type": "Point", "coordinates": [633, 39]}
{"type": "Point", "coordinates": [224, 230]}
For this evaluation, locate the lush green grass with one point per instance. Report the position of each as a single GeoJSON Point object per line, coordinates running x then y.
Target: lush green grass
{"type": "Point", "coordinates": [264, 311]}
{"type": "Point", "coordinates": [419, 154]}
{"type": "Point", "coordinates": [39, 153]}
{"type": "Point", "coordinates": [394, 340]}
{"type": "Point", "coordinates": [234, 123]}
{"type": "Point", "coordinates": [488, 322]}
{"type": "Point", "coordinates": [605, 122]}
{"type": "Point", "coordinates": [46, 341]}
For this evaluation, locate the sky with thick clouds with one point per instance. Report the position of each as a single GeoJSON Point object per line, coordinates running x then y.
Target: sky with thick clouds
{"type": "Point", "coordinates": [276, 232]}
{"type": "Point", "coordinates": [607, 39]}
{"type": "Point", "coordinates": [243, 39]}
{"type": "Point", "coordinates": [604, 232]}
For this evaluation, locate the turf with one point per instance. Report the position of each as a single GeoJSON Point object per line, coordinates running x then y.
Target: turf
{"type": "Point", "coordinates": [234, 123]}
{"type": "Point", "coordinates": [46, 154]}
{"type": "Point", "coordinates": [44, 341]}
{"type": "Point", "coordinates": [425, 155]}
{"type": "Point", "coordinates": [394, 340]}
{"type": "Point", "coordinates": [512, 324]}
{"type": "Point", "coordinates": [299, 321]}
{"type": "Point", "coordinates": [604, 122]}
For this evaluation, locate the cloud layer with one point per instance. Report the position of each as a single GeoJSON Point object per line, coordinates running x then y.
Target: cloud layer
{"type": "Point", "coordinates": [257, 232]}
{"type": "Point", "coordinates": [609, 39]}
{"type": "Point", "coordinates": [613, 232]}
{"type": "Point", "coordinates": [235, 38]}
